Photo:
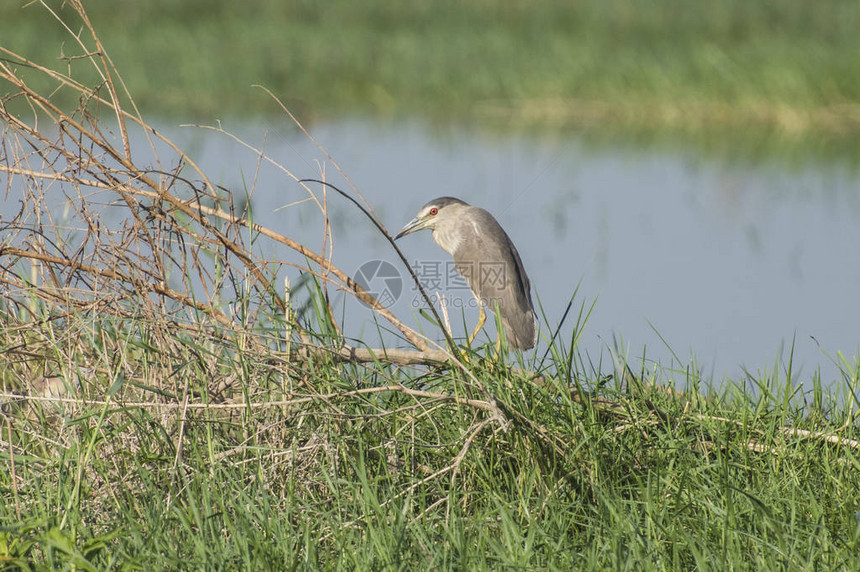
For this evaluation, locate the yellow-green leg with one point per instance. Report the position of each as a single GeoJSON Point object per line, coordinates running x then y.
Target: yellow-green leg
{"type": "Point", "coordinates": [482, 318]}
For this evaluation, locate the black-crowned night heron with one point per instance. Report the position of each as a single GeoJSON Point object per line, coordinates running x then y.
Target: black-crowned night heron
{"type": "Point", "coordinates": [487, 259]}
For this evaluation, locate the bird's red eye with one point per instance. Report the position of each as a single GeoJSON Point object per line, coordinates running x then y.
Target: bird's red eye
{"type": "Point", "coordinates": [434, 210]}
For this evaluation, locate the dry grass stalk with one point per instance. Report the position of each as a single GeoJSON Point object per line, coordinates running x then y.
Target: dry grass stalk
{"type": "Point", "coordinates": [164, 311]}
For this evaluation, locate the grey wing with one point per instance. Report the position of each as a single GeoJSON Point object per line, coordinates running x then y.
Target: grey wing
{"type": "Point", "coordinates": [489, 261]}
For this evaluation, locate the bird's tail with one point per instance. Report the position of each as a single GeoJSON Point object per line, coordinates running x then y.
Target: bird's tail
{"type": "Point", "coordinates": [521, 331]}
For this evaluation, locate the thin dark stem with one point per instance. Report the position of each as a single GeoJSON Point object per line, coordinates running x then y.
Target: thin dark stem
{"type": "Point", "coordinates": [391, 241]}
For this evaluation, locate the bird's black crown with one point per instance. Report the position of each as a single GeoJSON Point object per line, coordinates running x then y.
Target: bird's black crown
{"type": "Point", "coordinates": [443, 202]}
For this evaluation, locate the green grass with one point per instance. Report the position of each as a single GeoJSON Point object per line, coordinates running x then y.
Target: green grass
{"type": "Point", "coordinates": [389, 480]}
{"type": "Point", "coordinates": [788, 66]}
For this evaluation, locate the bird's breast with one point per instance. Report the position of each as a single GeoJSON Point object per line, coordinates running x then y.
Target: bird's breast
{"type": "Point", "coordinates": [447, 239]}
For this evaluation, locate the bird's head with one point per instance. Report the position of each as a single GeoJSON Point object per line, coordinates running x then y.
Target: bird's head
{"type": "Point", "coordinates": [430, 215]}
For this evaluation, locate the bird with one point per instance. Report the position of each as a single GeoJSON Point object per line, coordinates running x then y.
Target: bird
{"type": "Point", "coordinates": [485, 256]}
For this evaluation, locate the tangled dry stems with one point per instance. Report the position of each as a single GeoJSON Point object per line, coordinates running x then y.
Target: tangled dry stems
{"type": "Point", "coordinates": [134, 309]}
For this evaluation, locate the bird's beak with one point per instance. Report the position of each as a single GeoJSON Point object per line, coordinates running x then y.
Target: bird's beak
{"type": "Point", "coordinates": [413, 225]}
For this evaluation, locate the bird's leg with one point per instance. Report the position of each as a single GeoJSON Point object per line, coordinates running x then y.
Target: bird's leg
{"type": "Point", "coordinates": [500, 329]}
{"type": "Point", "coordinates": [482, 318]}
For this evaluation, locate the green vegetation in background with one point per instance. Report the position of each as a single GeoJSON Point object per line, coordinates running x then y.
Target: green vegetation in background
{"type": "Point", "coordinates": [790, 65]}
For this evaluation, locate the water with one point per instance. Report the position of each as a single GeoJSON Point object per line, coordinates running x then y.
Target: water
{"type": "Point", "coordinates": [690, 260]}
